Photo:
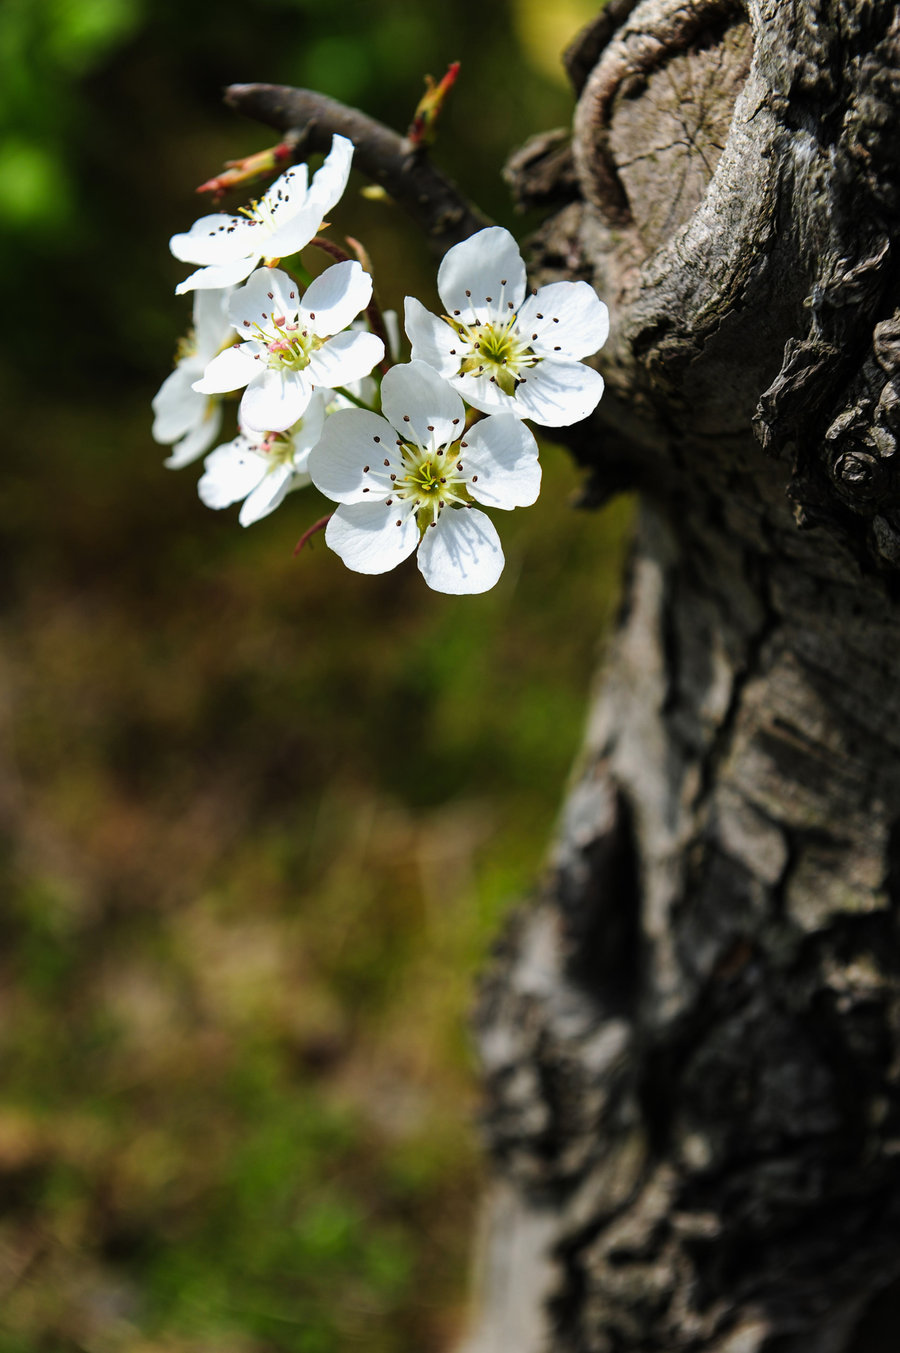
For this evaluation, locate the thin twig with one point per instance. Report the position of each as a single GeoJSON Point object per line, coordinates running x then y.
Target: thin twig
{"type": "Point", "coordinates": [308, 534]}
{"type": "Point", "coordinates": [403, 170]}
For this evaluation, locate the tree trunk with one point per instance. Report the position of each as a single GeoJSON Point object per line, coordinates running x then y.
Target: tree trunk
{"type": "Point", "coordinates": [691, 1042]}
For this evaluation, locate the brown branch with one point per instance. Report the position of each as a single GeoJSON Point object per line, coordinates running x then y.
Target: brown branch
{"type": "Point", "coordinates": [404, 171]}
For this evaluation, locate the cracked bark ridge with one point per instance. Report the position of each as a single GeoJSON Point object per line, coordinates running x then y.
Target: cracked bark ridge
{"type": "Point", "coordinates": [691, 1041]}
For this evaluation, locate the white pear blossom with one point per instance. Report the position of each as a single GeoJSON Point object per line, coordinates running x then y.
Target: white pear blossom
{"type": "Point", "coordinates": [504, 352]}
{"type": "Point", "coordinates": [262, 467]}
{"type": "Point", "coordinates": [283, 221]}
{"type": "Point", "coordinates": [181, 414]}
{"type": "Point", "coordinates": [411, 478]}
{"type": "Point", "coordinates": [288, 348]}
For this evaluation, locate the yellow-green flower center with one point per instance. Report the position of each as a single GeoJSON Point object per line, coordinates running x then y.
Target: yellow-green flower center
{"type": "Point", "coordinates": [432, 480]}
{"type": "Point", "coordinates": [493, 349]}
{"type": "Point", "coordinates": [279, 447]}
{"type": "Point", "coordinates": [187, 347]}
{"type": "Point", "coordinates": [288, 347]}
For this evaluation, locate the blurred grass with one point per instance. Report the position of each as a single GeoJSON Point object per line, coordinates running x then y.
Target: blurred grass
{"type": "Point", "coordinates": [259, 817]}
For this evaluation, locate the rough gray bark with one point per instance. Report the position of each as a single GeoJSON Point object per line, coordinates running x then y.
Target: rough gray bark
{"type": "Point", "coordinates": [691, 1042]}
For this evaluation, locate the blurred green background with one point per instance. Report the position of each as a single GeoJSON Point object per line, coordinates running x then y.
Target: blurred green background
{"type": "Point", "coordinates": [259, 817]}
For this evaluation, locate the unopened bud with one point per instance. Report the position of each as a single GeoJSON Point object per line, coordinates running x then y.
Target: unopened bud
{"type": "Point", "coordinates": [423, 127]}
{"type": "Point", "coordinates": [239, 172]}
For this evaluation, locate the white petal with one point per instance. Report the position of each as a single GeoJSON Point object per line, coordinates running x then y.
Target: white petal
{"type": "Point", "coordinates": [462, 553]}
{"type": "Point", "coordinates": [421, 405]}
{"type": "Point", "coordinates": [485, 272]}
{"type": "Point", "coordinates": [501, 462]}
{"type": "Point", "coordinates": [268, 292]}
{"type": "Point", "coordinates": [330, 181]}
{"type": "Point", "coordinates": [559, 393]}
{"type": "Point", "coordinates": [345, 358]}
{"type": "Point", "coordinates": [433, 341]}
{"type": "Point", "coordinates": [307, 432]}
{"type": "Point", "coordinates": [176, 405]}
{"type": "Point", "coordinates": [212, 328]}
{"type": "Point", "coordinates": [367, 537]}
{"type": "Point", "coordinates": [296, 233]}
{"type": "Point", "coordinates": [392, 330]}
{"type": "Point", "coordinates": [287, 196]}
{"type": "Point", "coordinates": [291, 187]}
{"type": "Point", "coordinates": [267, 495]}
{"type": "Point", "coordinates": [302, 222]}
{"type": "Point", "coordinates": [215, 239]}
{"type": "Point", "coordinates": [231, 472]}
{"type": "Point", "coordinates": [336, 297]}
{"type": "Point", "coordinates": [274, 400]}
{"type": "Point", "coordinates": [229, 371]}
{"type": "Point", "coordinates": [220, 276]}
{"type": "Point", "coordinates": [565, 319]}
{"type": "Point", "coordinates": [484, 394]}
{"type": "Point", "coordinates": [351, 440]}
{"type": "Point", "coordinates": [200, 438]}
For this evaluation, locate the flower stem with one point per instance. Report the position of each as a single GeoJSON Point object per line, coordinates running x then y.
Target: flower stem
{"type": "Point", "coordinates": [307, 535]}
{"type": "Point", "coordinates": [360, 403]}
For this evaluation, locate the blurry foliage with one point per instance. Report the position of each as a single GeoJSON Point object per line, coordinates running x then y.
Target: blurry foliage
{"type": "Point", "coordinates": [259, 817]}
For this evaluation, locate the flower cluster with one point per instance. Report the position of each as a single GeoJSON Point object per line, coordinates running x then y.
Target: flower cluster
{"type": "Point", "coordinates": [411, 453]}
